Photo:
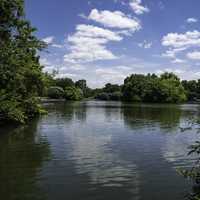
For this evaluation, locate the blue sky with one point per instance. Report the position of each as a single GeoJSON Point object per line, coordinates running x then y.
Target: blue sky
{"type": "Point", "coordinates": [106, 40]}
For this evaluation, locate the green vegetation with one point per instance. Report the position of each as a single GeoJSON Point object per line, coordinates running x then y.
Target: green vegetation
{"type": "Point", "coordinates": [21, 74]}
{"type": "Point", "coordinates": [109, 92]}
{"type": "Point", "coordinates": [194, 173]}
{"type": "Point", "coordinates": [55, 92]}
{"type": "Point", "coordinates": [164, 89]}
{"type": "Point", "coordinates": [73, 93]}
{"type": "Point", "coordinates": [192, 88]}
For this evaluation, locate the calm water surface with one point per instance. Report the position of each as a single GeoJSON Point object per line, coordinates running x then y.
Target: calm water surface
{"type": "Point", "coordinates": [98, 151]}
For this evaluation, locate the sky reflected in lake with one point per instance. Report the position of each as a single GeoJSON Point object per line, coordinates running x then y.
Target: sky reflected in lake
{"type": "Point", "coordinates": [99, 150]}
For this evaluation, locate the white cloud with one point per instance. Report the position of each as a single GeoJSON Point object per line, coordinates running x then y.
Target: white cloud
{"type": "Point", "coordinates": [115, 19]}
{"type": "Point", "coordinates": [171, 53]}
{"type": "Point", "coordinates": [64, 75]}
{"type": "Point", "coordinates": [178, 43]}
{"type": "Point", "coordinates": [186, 40]}
{"type": "Point", "coordinates": [191, 20]}
{"type": "Point", "coordinates": [177, 60]}
{"type": "Point", "coordinates": [89, 31]}
{"type": "Point", "coordinates": [44, 62]}
{"type": "Point", "coordinates": [145, 44]}
{"type": "Point", "coordinates": [57, 46]}
{"type": "Point", "coordinates": [89, 44]}
{"type": "Point", "coordinates": [114, 75]}
{"type": "Point", "coordinates": [137, 7]}
{"type": "Point", "coordinates": [195, 55]}
{"type": "Point", "coordinates": [48, 40]}
{"type": "Point", "coordinates": [176, 71]}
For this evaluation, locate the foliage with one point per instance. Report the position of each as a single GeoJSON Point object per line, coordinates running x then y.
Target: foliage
{"type": "Point", "coordinates": [115, 96]}
{"type": "Point", "coordinates": [111, 88]}
{"type": "Point", "coordinates": [192, 88]}
{"type": "Point", "coordinates": [103, 96]}
{"type": "Point", "coordinates": [82, 84]}
{"type": "Point", "coordinates": [165, 89]}
{"type": "Point", "coordinates": [194, 172]}
{"type": "Point", "coordinates": [64, 82]}
{"type": "Point", "coordinates": [55, 92]}
{"type": "Point", "coordinates": [110, 92]}
{"type": "Point", "coordinates": [73, 93]}
{"type": "Point", "coordinates": [21, 77]}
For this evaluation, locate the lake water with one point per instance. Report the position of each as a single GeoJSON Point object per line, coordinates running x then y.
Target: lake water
{"type": "Point", "coordinates": [99, 151]}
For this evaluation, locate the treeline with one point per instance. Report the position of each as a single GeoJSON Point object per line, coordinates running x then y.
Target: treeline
{"type": "Point", "coordinates": [58, 88]}
{"type": "Point", "coordinates": [166, 88]}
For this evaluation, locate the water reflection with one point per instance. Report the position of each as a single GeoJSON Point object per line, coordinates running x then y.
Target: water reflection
{"type": "Point", "coordinates": [100, 150]}
{"type": "Point", "coordinates": [166, 117]}
{"type": "Point", "coordinates": [22, 154]}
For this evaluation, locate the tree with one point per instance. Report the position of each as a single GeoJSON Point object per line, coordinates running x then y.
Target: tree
{"type": "Point", "coordinates": [192, 89]}
{"type": "Point", "coordinates": [64, 82]}
{"type": "Point", "coordinates": [165, 89]}
{"type": "Point", "coordinates": [133, 87]}
{"type": "Point", "coordinates": [82, 84]}
{"type": "Point", "coordinates": [73, 93]}
{"type": "Point", "coordinates": [110, 88]}
{"type": "Point", "coordinates": [55, 92]}
{"type": "Point", "coordinates": [21, 77]}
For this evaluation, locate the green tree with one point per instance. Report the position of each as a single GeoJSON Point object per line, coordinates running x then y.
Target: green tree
{"type": "Point", "coordinates": [64, 82]}
{"type": "Point", "coordinates": [166, 89]}
{"type": "Point", "coordinates": [73, 93]}
{"type": "Point", "coordinates": [110, 88]}
{"type": "Point", "coordinates": [21, 77]}
{"type": "Point", "coordinates": [55, 92]}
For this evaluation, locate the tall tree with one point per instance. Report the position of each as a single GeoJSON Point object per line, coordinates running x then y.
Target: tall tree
{"type": "Point", "coordinates": [21, 77]}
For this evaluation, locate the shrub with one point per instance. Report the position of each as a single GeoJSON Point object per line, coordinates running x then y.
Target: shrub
{"type": "Point", "coordinates": [55, 92]}
{"type": "Point", "coordinates": [115, 96]}
{"type": "Point", "coordinates": [73, 93]}
{"type": "Point", "coordinates": [103, 96]}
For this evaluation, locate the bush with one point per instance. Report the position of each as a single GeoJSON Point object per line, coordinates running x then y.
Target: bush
{"type": "Point", "coordinates": [55, 92]}
{"type": "Point", "coordinates": [10, 110]}
{"type": "Point", "coordinates": [103, 96]}
{"type": "Point", "coordinates": [115, 96]}
{"type": "Point", "coordinates": [73, 93]}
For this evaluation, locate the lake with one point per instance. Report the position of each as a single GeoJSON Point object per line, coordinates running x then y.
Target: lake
{"type": "Point", "coordinates": [96, 150]}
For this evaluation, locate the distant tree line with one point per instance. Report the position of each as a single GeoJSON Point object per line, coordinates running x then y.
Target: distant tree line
{"type": "Point", "coordinates": [166, 88]}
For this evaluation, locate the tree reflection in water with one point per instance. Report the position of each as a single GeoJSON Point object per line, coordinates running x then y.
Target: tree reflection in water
{"type": "Point", "coordinates": [23, 152]}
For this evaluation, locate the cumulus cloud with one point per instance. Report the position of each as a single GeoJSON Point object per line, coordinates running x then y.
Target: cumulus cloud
{"type": "Point", "coordinates": [171, 53]}
{"type": "Point", "coordinates": [89, 44]}
{"type": "Point", "coordinates": [181, 42]}
{"type": "Point", "coordinates": [48, 40]}
{"type": "Point", "coordinates": [138, 8]}
{"type": "Point", "coordinates": [191, 20]}
{"type": "Point", "coordinates": [115, 19]}
{"type": "Point", "coordinates": [188, 39]}
{"type": "Point", "coordinates": [195, 55]}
